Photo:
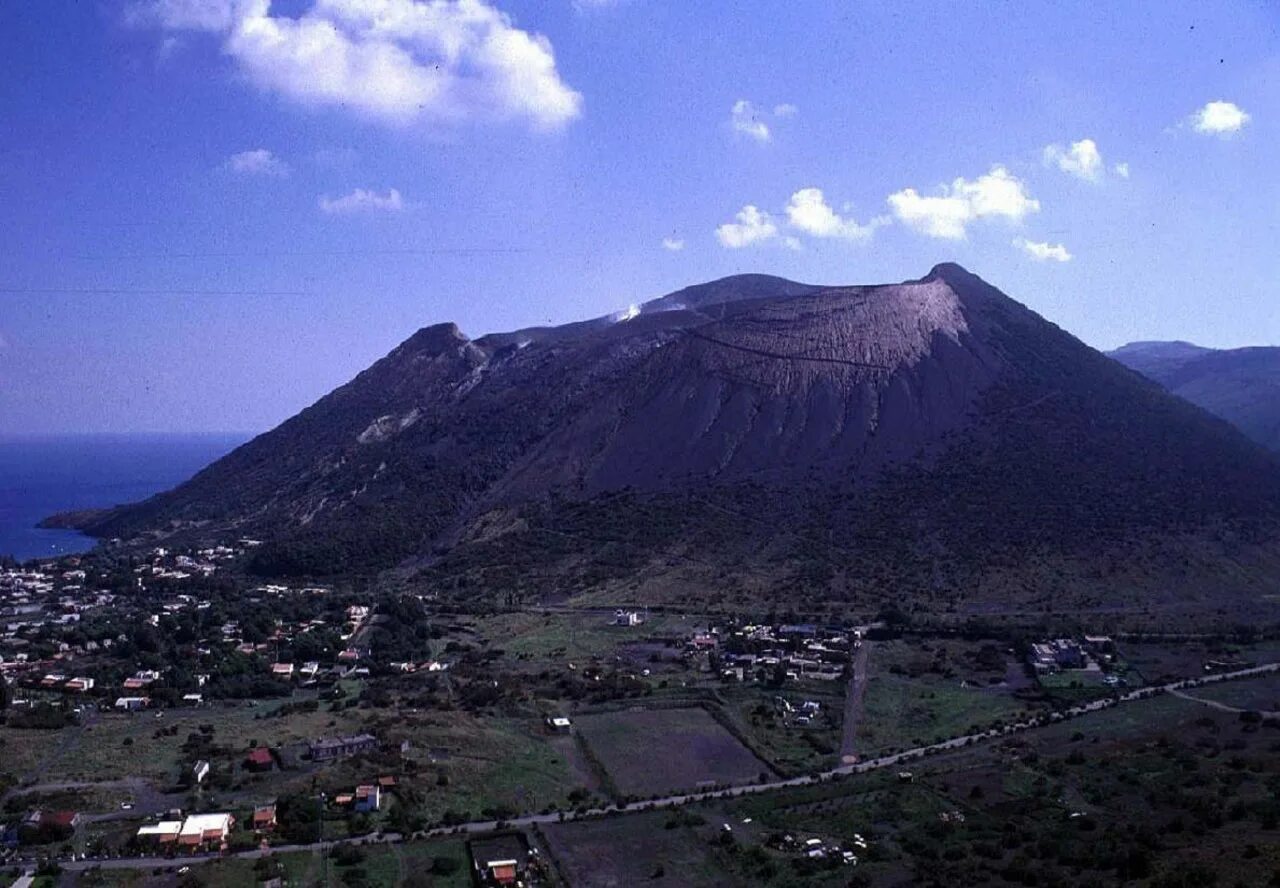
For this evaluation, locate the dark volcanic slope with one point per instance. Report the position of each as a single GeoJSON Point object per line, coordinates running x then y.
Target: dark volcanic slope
{"type": "Point", "coordinates": [927, 435]}
{"type": "Point", "coordinates": [1241, 385]}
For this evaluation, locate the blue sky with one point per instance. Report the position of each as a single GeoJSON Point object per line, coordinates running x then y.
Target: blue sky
{"type": "Point", "coordinates": [214, 211]}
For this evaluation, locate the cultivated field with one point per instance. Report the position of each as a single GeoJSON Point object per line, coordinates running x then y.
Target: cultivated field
{"type": "Point", "coordinates": [652, 751]}
{"type": "Point", "coordinates": [637, 850]}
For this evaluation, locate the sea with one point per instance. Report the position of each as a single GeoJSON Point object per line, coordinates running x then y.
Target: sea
{"type": "Point", "coordinates": [40, 476]}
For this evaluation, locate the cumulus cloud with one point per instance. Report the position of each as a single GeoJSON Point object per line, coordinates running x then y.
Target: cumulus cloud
{"type": "Point", "coordinates": [361, 200]}
{"type": "Point", "coordinates": [258, 162]}
{"type": "Point", "coordinates": [398, 61]}
{"type": "Point", "coordinates": [1121, 170]}
{"type": "Point", "coordinates": [1219, 119]}
{"type": "Point", "coordinates": [746, 119]}
{"type": "Point", "coordinates": [1043, 252]}
{"type": "Point", "coordinates": [1081, 159]}
{"type": "Point", "coordinates": [752, 225]}
{"type": "Point", "coordinates": [674, 244]}
{"type": "Point", "coordinates": [948, 214]}
{"type": "Point", "coordinates": [809, 212]}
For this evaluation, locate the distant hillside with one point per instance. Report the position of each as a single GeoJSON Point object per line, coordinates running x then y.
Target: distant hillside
{"type": "Point", "coordinates": [1241, 385]}
{"type": "Point", "coordinates": [932, 442]}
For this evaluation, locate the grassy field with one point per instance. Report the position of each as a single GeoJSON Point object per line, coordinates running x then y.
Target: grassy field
{"type": "Point", "coordinates": [381, 865]}
{"type": "Point", "coordinates": [642, 849]}
{"type": "Point", "coordinates": [901, 712]}
{"type": "Point", "coordinates": [1053, 808]}
{"type": "Point", "coordinates": [652, 751]}
{"type": "Point", "coordinates": [1262, 693]}
{"type": "Point", "coordinates": [115, 745]}
{"type": "Point", "coordinates": [790, 748]}
{"type": "Point", "coordinates": [572, 636]}
{"type": "Point", "coordinates": [491, 762]}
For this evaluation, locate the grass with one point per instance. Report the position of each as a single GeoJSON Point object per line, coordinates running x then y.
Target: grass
{"type": "Point", "coordinates": [1203, 781]}
{"type": "Point", "coordinates": [572, 636]}
{"type": "Point", "coordinates": [384, 865]}
{"type": "Point", "coordinates": [901, 712]}
{"type": "Point", "coordinates": [790, 749]}
{"type": "Point", "coordinates": [633, 850]}
{"type": "Point", "coordinates": [491, 762]}
{"type": "Point", "coordinates": [1261, 693]}
{"type": "Point", "coordinates": [652, 751]}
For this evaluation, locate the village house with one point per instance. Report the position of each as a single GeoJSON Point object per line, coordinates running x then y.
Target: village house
{"type": "Point", "coordinates": [164, 833]}
{"type": "Point", "coordinates": [199, 772]}
{"type": "Point", "coordinates": [500, 860]}
{"type": "Point", "coordinates": [264, 818]}
{"type": "Point", "coordinates": [559, 724]}
{"type": "Point", "coordinates": [1060, 653]}
{"type": "Point", "coordinates": [368, 798]}
{"type": "Point", "coordinates": [259, 759]}
{"type": "Point", "coordinates": [132, 704]}
{"type": "Point", "coordinates": [206, 830]}
{"type": "Point", "coordinates": [46, 826]}
{"type": "Point", "coordinates": [282, 670]}
{"type": "Point", "coordinates": [627, 618]}
{"type": "Point", "coordinates": [342, 747]}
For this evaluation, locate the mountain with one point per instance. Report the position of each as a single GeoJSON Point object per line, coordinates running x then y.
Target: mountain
{"type": "Point", "coordinates": [1242, 385]}
{"type": "Point", "coordinates": [931, 444]}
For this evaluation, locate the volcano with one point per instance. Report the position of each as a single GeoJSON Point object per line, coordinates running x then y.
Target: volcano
{"type": "Point", "coordinates": [932, 441]}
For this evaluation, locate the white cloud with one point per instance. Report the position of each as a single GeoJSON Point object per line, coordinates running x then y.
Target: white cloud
{"type": "Point", "coordinates": [1082, 159]}
{"type": "Point", "coordinates": [948, 214]}
{"type": "Point", "coordinates": [1043, 252]}
{"type": "Point", "coordinates": [753, 226]}
{"type": "Point", "coordinates": [361, 200]}
{"type": "Point", "coordinates": [808, 211]}
{"type": "Point", "coordinates": [674, 244]}
{"type": "Point", "coordinates": [1121, 170]}
{"type": "Point", "coordinates": [786, 109]}
{"type": "Point", "coordinates": [258, 162]}
{"type": "Point", "coordinates": [398, 61]}
{"type": "Point", "coordinates": [745, 119]}
{"type": "Point", "coordinates": [1220, 119]}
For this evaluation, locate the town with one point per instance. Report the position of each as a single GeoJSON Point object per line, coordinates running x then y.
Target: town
{"type": "Point", "coordinates": [198, 714]}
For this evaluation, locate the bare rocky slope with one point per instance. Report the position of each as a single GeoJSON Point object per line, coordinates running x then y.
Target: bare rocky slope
{"type": "Point", "coordinates": [1242, 385]}
{"type": "Point", "coordinates": [931, 441]}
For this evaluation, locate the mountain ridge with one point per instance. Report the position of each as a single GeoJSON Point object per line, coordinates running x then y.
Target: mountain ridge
{"type": "Point", "coordinates": [1241, 385]}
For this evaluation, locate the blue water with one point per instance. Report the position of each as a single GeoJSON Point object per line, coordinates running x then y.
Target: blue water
{"type": "Point", "coordinates": [43, 475]}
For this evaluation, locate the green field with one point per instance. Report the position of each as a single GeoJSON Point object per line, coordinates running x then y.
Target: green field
{"type": "Point", "coordinates": [790, 748]}
{"type": "Point", "coordinates": [409, 864]}
{"type": "Point", "coordinates": [1261, 694]}
{"type": "Point", "coordinates": [900, 712]}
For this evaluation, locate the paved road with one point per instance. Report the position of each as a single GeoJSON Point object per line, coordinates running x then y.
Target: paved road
{"type": "Point", "coordinates": [673, 801]}
{"type": "Point", "coordinates": [853, 705]}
